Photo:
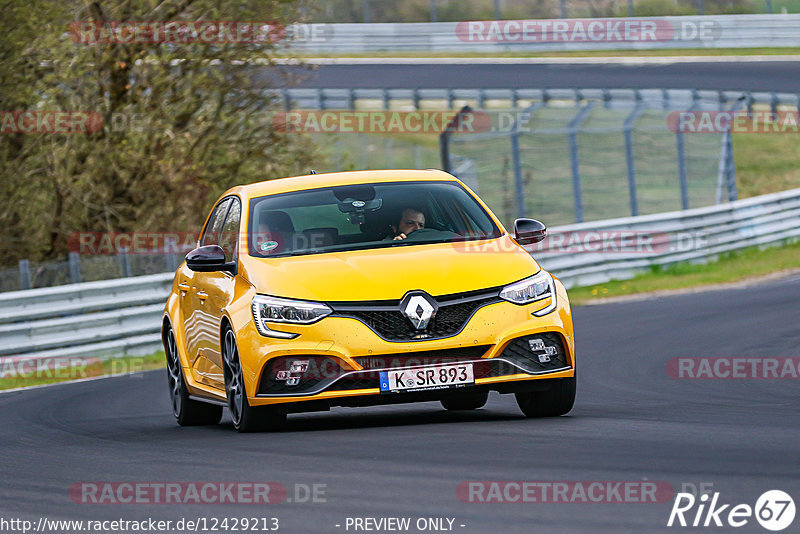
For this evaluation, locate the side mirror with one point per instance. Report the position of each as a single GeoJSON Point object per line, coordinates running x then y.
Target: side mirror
{"type": "Point", "coordinates": [208, 259]}
{"type": "Point", "coordinates": [529, 231]}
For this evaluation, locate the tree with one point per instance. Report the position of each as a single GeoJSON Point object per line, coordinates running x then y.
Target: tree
{"type": "Point", "coordinates": [181, 121]}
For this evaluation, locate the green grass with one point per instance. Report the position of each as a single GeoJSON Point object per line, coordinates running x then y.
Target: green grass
{"type": "Point", "coordinates": [732, 267]}
{"type": "Point", "coordinates": [87, 368]}
{"type": "Point", "coordinates": [766, 163]}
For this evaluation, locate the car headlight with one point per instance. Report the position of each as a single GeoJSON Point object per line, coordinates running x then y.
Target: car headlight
{"type": "Point", "coordinates": [538, 287]}
{"type": "Point", "coordinates": [277, 310]}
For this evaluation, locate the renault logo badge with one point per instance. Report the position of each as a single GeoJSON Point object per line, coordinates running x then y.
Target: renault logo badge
{"type": "Point", "coordinates": [419, 308]}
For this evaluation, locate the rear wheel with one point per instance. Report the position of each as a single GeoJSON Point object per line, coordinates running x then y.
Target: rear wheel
{"type": "Point", "coordinates": [245, 418]}
{"type": "Point", "coordinates": [187, 412]}
{"type": "Point", "coordinates": [558, 400]}
{"type": "Point", "coordinates": [466, 401]}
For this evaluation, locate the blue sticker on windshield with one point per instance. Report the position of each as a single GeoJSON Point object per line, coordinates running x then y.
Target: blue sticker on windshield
{"type": "Point", "coordinates": [269, 245]}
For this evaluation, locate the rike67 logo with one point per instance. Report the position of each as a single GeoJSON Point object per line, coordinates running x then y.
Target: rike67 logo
{"type": "Point", "coordinates": [774, 510]}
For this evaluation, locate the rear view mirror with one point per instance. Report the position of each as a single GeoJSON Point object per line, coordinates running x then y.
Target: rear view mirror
{"type": "Point", "coordinates": [529, 231]}
{"type": "Point", "coordinates": [208, 259]}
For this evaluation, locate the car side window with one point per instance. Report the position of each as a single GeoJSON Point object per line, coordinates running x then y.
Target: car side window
{"type": "Point", "coordinates": [214, 226]}
{"type": "Point", "coordinates": [230, 230]}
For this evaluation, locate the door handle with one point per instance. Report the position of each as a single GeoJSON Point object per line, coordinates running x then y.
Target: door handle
{"type": "Point", "coordinates": [183, 286]}
{"type": "Point", "coordinates": [202, 295]}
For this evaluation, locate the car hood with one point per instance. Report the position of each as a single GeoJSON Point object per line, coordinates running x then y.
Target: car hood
{"type": "Point", "coordinates": [389, 273]}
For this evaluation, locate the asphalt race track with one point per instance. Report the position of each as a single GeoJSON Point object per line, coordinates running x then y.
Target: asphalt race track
{"type": "Point", "coordinates": [779, 76]}
{"type": "Point", "coordinates": [632, 422]}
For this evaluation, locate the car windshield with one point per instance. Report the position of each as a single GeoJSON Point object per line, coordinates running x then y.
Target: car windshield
{"type": "Point", "coordinates": [355, 217]}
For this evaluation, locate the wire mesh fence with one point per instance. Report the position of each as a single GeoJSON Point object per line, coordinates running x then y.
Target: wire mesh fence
{"type": "Point", "coordinates": [587, 162]}
{"type": "Point", "coordinates": [77, 268]}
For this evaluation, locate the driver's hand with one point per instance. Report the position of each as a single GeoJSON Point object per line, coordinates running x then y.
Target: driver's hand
{"type": "Point", "coordinates": [400, 237]}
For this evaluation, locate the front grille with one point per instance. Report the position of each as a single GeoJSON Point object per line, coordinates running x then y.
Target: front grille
{"type": "Point", "coordinates": [386, 319]}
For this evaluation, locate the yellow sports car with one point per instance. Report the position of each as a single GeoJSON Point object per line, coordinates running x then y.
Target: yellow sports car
{"type": "Point", "coordinates": [359, 289]}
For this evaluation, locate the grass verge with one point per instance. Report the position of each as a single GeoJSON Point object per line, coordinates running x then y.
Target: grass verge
{"type": "Point", "coordinates": [575, 53]}
{"type": "Point", "coordinates": [731, 267]}
{"type": "Point", "coordinates": [55, 370]}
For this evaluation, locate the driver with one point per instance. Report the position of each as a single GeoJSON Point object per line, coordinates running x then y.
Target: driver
{"type": "Point", "coordinates": [411, 220]}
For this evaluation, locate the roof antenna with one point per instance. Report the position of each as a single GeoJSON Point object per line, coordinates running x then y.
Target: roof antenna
{"type": "Point", "coordinates": [313, 171]}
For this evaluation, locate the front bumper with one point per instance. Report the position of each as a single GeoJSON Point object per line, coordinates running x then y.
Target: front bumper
{"type": "Point", "coordinates": [494, 340]}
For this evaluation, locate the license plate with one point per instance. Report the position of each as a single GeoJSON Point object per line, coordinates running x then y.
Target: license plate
{"type": "Point", "coordinates": [433, 377]}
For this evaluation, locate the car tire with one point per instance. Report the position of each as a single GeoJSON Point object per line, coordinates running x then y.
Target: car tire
{"type": "Point", "coordinates": [558, 400]}
{"type": "Point", "coordinates": [466, 401]}
{"type": "Point", "coordinates": [245, 418]}
{"type": "Point", "coordinates": [187, 411]}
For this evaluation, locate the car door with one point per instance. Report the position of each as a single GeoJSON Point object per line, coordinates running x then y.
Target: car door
{"type": "Point", "coordinates": [193, 299]}
{"type": "Point", "coordinates": [213, 291]}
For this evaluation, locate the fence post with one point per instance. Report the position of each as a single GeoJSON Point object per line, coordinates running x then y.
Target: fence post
{"type": "Point", "coordinates": [365, 10]}
{"type": "Point", "coordinates": [172, 262]}
{"type": "Point", "coordinates": [682, 170]}
{"type": "Point", "coordinates": [124, 263]}
{"type": "Point", "coordinates": [417, 157]}
{"type": "Point", "coordinates": [287, 101]}
{"type": "Point", "coordinates": [75, 267]}
{"type": "Point", "coordinates": [519, 190]}
{"type": "Point", "coordinates": [701, 7]}
{"type": "Point", "coordinates": [628, 132]}
{"type": "Point", "coordinates": [630, 8]}
{"type": "Point", "coordinates": [444, 138]}
{"type": "Point", "coordinates": [362, 143]}
{"type": "Point", "coordinates": [562, 8]}
{"type": "Point", "coordinates": [733, 193]}
{"type": "Point", "coordinates": [389, 150]}
{"type": "Point", "coordinates": [769, 6]}
{"type": "Point", "coordinates": [434, 14]}
{"type": "Point", "coordinates": [574, 161]}
{"type": "Point", "coordinates": [498, 12]}
{"type": "Point", "coordinates": [24, 274]}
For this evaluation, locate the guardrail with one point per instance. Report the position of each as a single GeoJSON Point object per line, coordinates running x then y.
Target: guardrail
{"type": "Point", "coordinates": [118, 317]}
{"type": "Point", "coordinates": [103, 320]}
{"type": "Point", "coordinates": [428, 98]}
{"type": "Point", "coordinates": [641, 33]}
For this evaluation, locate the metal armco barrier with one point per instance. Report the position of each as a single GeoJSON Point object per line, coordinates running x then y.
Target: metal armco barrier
{"type": "Point", "coordinates": [117, 317]}
{"type": "Point", "coordinates": [104, 319]}
{"type": "Point", "coordinates": [714, 31]}
{"type": "Point", "coordinates": [428, 98]}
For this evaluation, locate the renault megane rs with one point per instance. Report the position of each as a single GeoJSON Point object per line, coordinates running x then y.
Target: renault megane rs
{"type": "Point", "coordinates": [359, 289]}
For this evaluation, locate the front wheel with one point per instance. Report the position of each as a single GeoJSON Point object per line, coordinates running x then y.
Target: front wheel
{"type": "Point", "coordinates": [245, 418]}
{"type": "Point", "coordinates": [558, 400]}
{"type": "Point", "coordinates": [187, 412]}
